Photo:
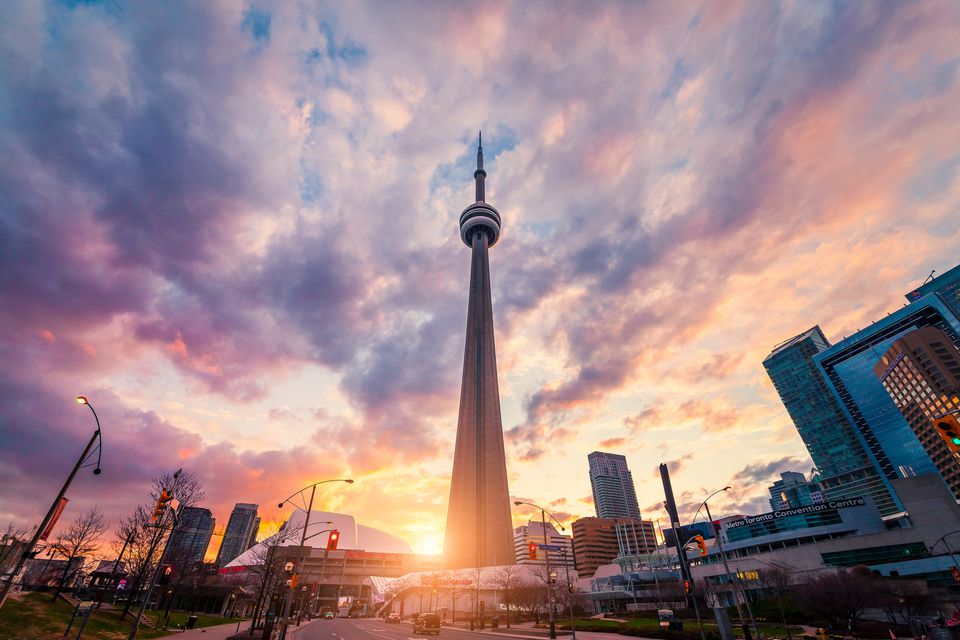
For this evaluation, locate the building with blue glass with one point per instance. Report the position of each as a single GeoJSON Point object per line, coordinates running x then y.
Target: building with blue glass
{"type": "Point", "coordinates": [844, 463]}
{"type": "Point", "coordinates": [794, 490]}
{"type": "Point", "coordinates": [848, 367]}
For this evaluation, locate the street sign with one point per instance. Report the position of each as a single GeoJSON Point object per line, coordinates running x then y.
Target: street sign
{"type": "Point", "coordinates": [551, 547]}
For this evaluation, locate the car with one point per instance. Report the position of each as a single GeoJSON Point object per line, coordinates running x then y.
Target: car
{"type": "Point", "coordinates": [328, 615]}
{"type": "Point", "coordinates": [427, 623]}
{"type": "Point", "coordinates": [393, 618]}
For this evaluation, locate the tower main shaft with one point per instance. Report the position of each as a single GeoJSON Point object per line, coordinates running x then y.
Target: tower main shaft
{"type": "Point", "coordinates": [479, 529]}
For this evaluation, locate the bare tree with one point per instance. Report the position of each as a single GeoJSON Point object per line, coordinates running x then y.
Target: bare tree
{"type": "Point", "coordinates": [506, 580]}
{"type": "Point", "coordinates": [530, 597]}
{"type": "Point", "coordinates": [904, 598]}
{"type": "Point", "coordinates": [13, 537]}
{"type": "Point", "coordinates": [777, 581]}
{"type": "Point", "coordinates": [80, 539]}
{"type": "Point", "coordinates": [147, 536]}
{"type": "Point", "coordinates": [841, 597]}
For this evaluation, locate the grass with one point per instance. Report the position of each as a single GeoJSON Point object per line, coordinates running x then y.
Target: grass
{"type": "Point", "coordinates": [34, 617]}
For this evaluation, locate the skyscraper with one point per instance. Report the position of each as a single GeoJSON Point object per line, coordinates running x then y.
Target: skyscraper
{"type": "Point", "coordinates": [191, 538]}
{"type": "Point", "coordinates": [237, 536]}
{"type": "Point", "coordinates": [793, 490]}
{"type": "Point", "coordinates": [479, 529]}
{"type": "Point", "coordinates": [532, 532]}
{"type": "Point", "coordinates": [946, 286]}
{"type": "Point", "coordinates": [614, 495]}
{"type": "Point", "coordinates": [921, 373]}
{"type": "Point", "coordinates": [597, 541]}
{"type": "Point", "coordinates": [845, 467]}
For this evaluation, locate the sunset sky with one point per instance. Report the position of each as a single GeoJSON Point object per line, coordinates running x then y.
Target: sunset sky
{"type": "Point", "coordinates": [233, 226]}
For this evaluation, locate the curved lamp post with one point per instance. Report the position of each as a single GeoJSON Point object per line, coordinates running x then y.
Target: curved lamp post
{"type": "Point", "coordinates": [42, 529]}
{"type": "Point", "coordinates": [303, 538]}
{"type": "Point", "coordinates": [733, 578]}
{"type": "Point", "coordinates": [543, 520]}
{"type": "Point", "coordinates": [946, 546]}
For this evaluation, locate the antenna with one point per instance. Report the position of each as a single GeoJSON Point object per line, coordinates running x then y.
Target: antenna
{"type": "Point", "coordinates": [930, 277]}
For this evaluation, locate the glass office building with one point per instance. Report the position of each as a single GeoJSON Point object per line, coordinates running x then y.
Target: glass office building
{"type": "Point", "coordinates": [845, 465]}
{"type": "Point", "coordinates": [848, 367]}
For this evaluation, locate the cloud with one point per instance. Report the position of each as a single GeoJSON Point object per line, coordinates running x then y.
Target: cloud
{"type": "Point", "coordinates": [239, 228]}
{"type": "Point", "coordinates": [764, 471]}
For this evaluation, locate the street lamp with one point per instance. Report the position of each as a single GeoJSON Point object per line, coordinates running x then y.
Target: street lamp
{"type": "Point", "coordinates": [946, 546]}
{"type": "Point", "coordinates": [734, 579]}
{"type": "Point", "coordinates": [47, 519]}
{"type": "Point", "coordinates": [303, 538]}
{"type": "Point", "coordinates": [551, 576]}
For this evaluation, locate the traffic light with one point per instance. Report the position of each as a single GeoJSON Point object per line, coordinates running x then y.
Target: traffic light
{"type": "Point", "coordinates": [701, 545]}
{"type": "Point", "coordinates": [294, 579]}
{"type": "Point", "coordinates": [533, 550]}
{"type": "Point", "coordinates": [955, 573]}
{"type": "Point", "coordinates": [162, 501]}
{"type": "Point", "coordinates": [332, 540]}
{"type": "Point", "coordinates": [687, 587]}
{"type": "Point", "coordinates": [165, 574]}
{"type": "Point", "coordinates": [949, 429]}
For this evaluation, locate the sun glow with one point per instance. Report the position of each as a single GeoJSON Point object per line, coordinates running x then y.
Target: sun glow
{"type": "Point", "coordinates": [429, 544]}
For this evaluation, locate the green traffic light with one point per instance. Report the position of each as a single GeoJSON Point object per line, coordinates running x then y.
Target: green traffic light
{"type": "Point", "coordinates": [956, 441]}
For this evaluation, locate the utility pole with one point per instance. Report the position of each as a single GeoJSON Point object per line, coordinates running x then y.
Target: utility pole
{"type": "Point", "coordinates": [685, 573]}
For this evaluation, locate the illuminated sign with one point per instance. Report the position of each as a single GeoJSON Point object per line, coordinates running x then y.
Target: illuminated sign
{"type": "Point", "coordinates": [832, 505]}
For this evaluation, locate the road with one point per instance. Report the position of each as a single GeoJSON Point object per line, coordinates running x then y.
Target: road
{"type": "Point", "coordinates": [376, 629]}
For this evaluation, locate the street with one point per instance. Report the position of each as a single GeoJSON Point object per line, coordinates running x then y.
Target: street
{"type": "Point", "coordinates": [377, 629]}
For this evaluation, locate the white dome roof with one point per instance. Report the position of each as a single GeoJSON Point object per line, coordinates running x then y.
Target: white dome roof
{"type": "Point", "coordinates": [352, 536]}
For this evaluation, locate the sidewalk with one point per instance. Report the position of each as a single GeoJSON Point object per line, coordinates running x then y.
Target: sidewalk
{"type": "Point", "coordinates": [218, 632]}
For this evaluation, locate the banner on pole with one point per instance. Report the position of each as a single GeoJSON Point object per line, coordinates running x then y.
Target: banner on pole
{"type": "Point", "coordinates": [53, 521]}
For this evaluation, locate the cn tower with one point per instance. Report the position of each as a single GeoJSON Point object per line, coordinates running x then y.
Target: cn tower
{"type": "Point", "coordinates": [479, 528]}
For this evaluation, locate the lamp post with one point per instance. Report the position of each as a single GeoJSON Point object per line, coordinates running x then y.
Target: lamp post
{"type": "Point", "coordinates": [27, 551]}
{"type": "Point", "coordinates": [543, 521]}
{"type": "Point", "coordinates": [734, 579]}
{"type": "Point", "coordinates": [313, 491]}
{"type": "Point", "coordinates": [943, 539]}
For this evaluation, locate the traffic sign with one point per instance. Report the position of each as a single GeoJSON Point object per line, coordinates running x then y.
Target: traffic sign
{"type": "Point", "coordinates": [551, 547]}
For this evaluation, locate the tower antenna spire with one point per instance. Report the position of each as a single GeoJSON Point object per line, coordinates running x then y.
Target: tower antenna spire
{"type": "Point", "coordinates": [480, 175]}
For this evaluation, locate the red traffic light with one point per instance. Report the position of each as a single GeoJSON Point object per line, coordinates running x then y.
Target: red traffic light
{"type": "Point", "coordinates": [533, 550]}
{"type": "Point", "coordinates": [332, 540]}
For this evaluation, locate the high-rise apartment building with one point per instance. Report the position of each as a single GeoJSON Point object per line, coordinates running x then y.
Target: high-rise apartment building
{"type": "Point", "coordinates": [845, 466]}
{"type": "Point", "coordinates": [253, 533]}
{"type": "Point", "coordinates": [236, 538]}
{"type": "Point", "coordinates": [921, 373]}
{"type": "Point", "coordinates": [614, 495]}
{"type": "Point", "coordinates": [598, 541]}
{"type": "Point", "coordinates": [190, 539]}
{"type": "Point", "coordinates": [793, 490]}
{"type": "Point", "coordinates": [533, 533]}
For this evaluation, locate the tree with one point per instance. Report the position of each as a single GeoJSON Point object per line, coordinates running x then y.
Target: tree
{"type": "Point", "coordinates": [530, 597]}
{"type": "Point", "coordinates": [507, 580]}
{"type": "Point", "coordinates": [777, 582]}
{"type": "Point", "coordinates": [146, 536]}
{"type": "Point", "coordinates": [14, 536]}
{"type": "Point", "coordinates": [455, 584]}
{"type": "Point", "coordinates": [841, 597]}
{"type": "Point", "coordinates": [904, 598]}
{"type": "Point", "coordinates": [79, 540]}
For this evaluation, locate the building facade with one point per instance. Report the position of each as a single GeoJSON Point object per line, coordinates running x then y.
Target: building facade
{"type": "Point", "coordinates": [533, 533]}
{"type": "Point", "coordinates": [189, 541]}
{"type": "Point", "coordinates": [794, 490]}
{"type": "Point", "coordinates": [921, 373]}
{"type": "Point", "coordinates": [598, 541]}
{"type": "Point", "coordinates": [844, 464]}
{"type": "Point", "coordinates": [840, 534]}
{"type": "Point", "coordinates": [479, 525]}
{"type": "Point", "coordinates": [614, 494]}
{"type": "Point", "coordinates": [236, 538]}
{"type": "Point", "coordinates": [946, 287]}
